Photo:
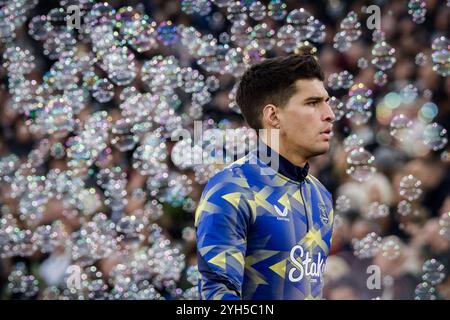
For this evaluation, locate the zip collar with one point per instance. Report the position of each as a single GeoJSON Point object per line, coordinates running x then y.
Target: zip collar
{"type": "Point", "coordinates": [285, 167]}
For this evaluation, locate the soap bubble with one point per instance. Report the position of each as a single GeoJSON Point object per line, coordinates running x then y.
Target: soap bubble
{"type": "Point", "coordinates": [257, 11]}
{"type": "Point", "coordinates": [391, 247]}
{"type": "Point", "coordinates": [352, 141]}
{"type": "Point", "coordinates": [433, 272]}
{"type": "Point", "coordinates": [424, 291]}
{"type": "Point", "coordinates": [345, 79]}
{"type": "Point", "coordinates": [421, 59]}
{"type": "Point", "coordinates": [404, 208]}
{"type": "Point", "coordinates": [167, 33]}
{"type": "Point", "coordinates": [441, 55]}
{"type": "Point", "coordinates": [188, 6]}
{"type": "Point", "coordinates": [409, 93]}
{"type": "Point", "coordinates": [338, 107]}
{"type": "Point", "coordinates": [435, 136]}
{"type": "Point", "coordinates": [417, 9]}
{"type": "Point", "coordinates": [277, 9]}
{"type": "Point", "coordinates": [333, 81]}
{"type": "Point", "coordinates": [342, 203]}
{"type": "Point", "coordinates": [444, 222]}
{"type": "Point", "coordinates": [410, 187]}
{"type": "Point", "coordinates": [400, 127]}
{"type": "Point", "coordinates": [360, 164]}
{"type": "Point", "coordinates": [383, 56]}
{"type": "Point", "coordinates": [380, 78]}
{"type": "Point", "coordinates": [377, 210]}
{"type": "Point", "coordinates": [103, 90]}
{"type": "Point", "coordinates": [359, 104]}
{"type": "Point", "coordinates": [363, 63]}
{"type": "Point", "coordinates": [368, 246]}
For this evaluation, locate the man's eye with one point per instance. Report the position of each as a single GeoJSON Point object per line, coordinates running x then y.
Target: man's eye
{"type": "Point", "coordinates": [313, 103]}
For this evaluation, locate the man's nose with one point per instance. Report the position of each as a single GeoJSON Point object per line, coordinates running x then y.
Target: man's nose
{"type": "Point", "coordinates": [328, 114]}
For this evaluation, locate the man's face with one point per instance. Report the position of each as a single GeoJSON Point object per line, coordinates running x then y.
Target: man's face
{"type": "Point", "coordinates": [306, 120]}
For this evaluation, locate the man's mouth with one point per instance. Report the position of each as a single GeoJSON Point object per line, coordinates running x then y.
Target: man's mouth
{"type": "Point", "coordinates": [327, 133]}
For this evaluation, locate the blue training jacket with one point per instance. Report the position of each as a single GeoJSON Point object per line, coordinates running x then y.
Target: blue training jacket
{"type": "Point", "coordinates": [263, 236]}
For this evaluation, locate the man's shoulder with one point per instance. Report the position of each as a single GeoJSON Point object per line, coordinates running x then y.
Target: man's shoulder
{"type": "Point", "coordinates": [316, 183]}
{"type": "Point", "coordinates": [238, 174]}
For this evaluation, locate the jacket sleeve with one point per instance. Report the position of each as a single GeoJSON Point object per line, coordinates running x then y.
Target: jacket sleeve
{"type": "Point", "coordinates": [222, 220]}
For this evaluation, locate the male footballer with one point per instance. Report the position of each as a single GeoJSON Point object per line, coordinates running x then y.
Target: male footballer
{"type": "Point", "coordinates": [264, 223]}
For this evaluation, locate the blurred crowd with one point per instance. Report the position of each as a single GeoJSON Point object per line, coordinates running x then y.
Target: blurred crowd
{"type": "Point", "coordinates": [417, 232]}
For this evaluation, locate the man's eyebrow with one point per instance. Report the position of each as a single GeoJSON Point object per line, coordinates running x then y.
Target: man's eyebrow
{"type": "Point", "coordinates": [317, 98]}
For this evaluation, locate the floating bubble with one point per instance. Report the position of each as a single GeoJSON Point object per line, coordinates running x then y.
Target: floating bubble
{"type": "Point", "coordinates": [441, 55]}
{"type": "Point", "coordinates": [167, 33]}
{"type": "Point", "coordinates": [391, 247]}
{"type": "Point", "coordinates": [400, 127]}
{"type": "Point", "coordinates": [203, 7]}
{"type": "Point", "coordinates": [287, 38]}
{"type": "Point", "coordinates": [39, 27]}
{"type": "Point", "coordinates": [410, 187]}
{"type": "Point", "coordinates": [444, 222]}
{"type": "Point", "coordinates": [188, 6]}
{"type": "Point", "coordinates": [318, 28]}
{"type": "Point", "coordinates": [404, 208]}
{"type": "Point", "coordinates": [424, 291]}
{"type": "Point", "coordinates": [435, 136]}
{"type": "Point", "coordinates": [421, 59]}
{"type": "Point", "coordinates": [18, 61]}
{"type": "Point", "coordinates": [383, 56]}
{"type": "Point", "coordinates": [345, 79]}
{"type": "Point", "coordinates": [333, 81]}
{"type": "Point", "coordinates": [352, 141]}
{"type": "Point", "coordinates": [192, 275]}
{"type": "Point", "coordinates": [129, 229]}
{"type": "Point", "coordinates": [338, 107]}
{"type": "Point", "coordinates": [188, 234]}
{"type": "Point", "coordinates": [221, 3]}
{"type": "Point", "coordinates": [184, 155]}
{"type": "Point", "coordinates": [378, 36]}
{"type": "Point", "coordinates": [360, 164]}
{"type": "Point", "coordinates": [362, 63]}
{"type": "Point", "coordinates": [277, 9]}
{"type": "Point", "coordinates": [103, 90]}
{"type": "Point", "coordinates": [359, 104]}
{"type": "Point", "coordinates": [433, 272]}
{"type": "Point", "coordinates": [409, 93]}
{"type": "Point", "coordinates": [342, 203]}
{"type": "Point", "coordinates": [257, 11]}
{"type": "Point", "coordinates": [351, 26]}
{"type": "Point", "coordinates": [368, 246]}
{"type": "Point", "coordinates": [417, 9]}
{"type": "Point", "coordinates": [341, 42]}
{"type": "Point", "coordinates": [377, 210]}
{"type": "Point", "coordinates": [58, 117]}
{"type": "Point", "coordinates": [236, 12]}
{"type": "Point", "coordinates": [119, 63]}
{"type": "Point", "coordinates": [380, 78]}
{"type": "Point", "coordinates": [21, 283]}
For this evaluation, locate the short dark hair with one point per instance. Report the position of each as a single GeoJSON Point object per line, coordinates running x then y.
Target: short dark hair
{"type": "Point", "coordinates": [273, 81]}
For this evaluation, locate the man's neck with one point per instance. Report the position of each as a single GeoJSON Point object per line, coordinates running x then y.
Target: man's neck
{"type": "Point", "coordinates": [293, 157]}
{"type": "Point", "coordinates": [277, 145]}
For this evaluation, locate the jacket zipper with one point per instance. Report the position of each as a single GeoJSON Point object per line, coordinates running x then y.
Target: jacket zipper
{"type": "Point", "coordinates": [304, 205]}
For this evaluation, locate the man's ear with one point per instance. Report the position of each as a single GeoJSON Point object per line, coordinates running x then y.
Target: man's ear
{"type": "Point", "coordinates": [270, 116]}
